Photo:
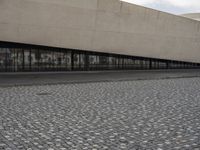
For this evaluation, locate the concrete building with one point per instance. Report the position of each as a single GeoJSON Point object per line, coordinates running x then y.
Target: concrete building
{"type": "Point", "coordinates": [195, 16]}
{"type": "Point", "coordinates": [59, 35]}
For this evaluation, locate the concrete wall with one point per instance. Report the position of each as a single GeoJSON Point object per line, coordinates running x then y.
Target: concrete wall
{"type": "Point", "coordinates": [195, 16]}
{"type": "Point", "coordinates": [100, 25]}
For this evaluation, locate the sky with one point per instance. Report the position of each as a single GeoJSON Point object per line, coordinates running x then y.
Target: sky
{"type": "Point", "coordinates": [171, 6]}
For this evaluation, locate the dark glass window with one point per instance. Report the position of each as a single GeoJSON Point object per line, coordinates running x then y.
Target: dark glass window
{"type": "Point", "coordinates": [76, 61]}
{"type": "Point", "coordinates": [27, 60]}
{"type": "Point", "coordinates": [3, 59]}
{"type": "Point", "coordinates": [37, 58]}
{"type": "Point", "coordinates": [93, 62]}
{"type": "Point", "coordinates": [10, 60]}
{"type": "Point", "coordinates": [34, 60]}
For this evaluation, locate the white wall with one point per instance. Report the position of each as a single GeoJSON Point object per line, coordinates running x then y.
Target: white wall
{"type": "Point", "coordinates": [100, 25]}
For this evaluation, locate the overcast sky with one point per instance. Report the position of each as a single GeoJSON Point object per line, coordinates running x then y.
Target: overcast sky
{"type": "Point", "coordinates": [171, 6]}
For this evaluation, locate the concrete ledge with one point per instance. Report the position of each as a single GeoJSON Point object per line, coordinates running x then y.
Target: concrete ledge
{"type": "Point", "coordinates": [48, 78]}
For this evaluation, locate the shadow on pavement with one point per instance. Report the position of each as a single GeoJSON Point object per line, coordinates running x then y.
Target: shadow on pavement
{"type": "Point", "coordinates": [41, 78]}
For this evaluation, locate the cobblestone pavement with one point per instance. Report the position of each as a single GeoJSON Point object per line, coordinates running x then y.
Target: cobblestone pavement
{"type": "Point", "coordinates": [130, 115]}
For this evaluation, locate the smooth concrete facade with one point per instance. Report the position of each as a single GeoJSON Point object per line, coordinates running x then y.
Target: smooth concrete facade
{"type": "Point", "coordinates": [109, 26]}
{"type": "Point", "coordinates": [195, 16]}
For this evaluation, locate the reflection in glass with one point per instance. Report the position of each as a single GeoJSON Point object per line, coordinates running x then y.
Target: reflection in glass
{"type": "Point", "coordinates": [27, 60]}
{"type": "Point", "coordinates": [3, 55]}
{"type": "Point", "coordinates": [55, 59]}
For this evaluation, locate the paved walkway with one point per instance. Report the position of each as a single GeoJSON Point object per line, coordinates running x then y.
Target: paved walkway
{"type": "Point", "coordinates": [10, 79]}
{"type": "Point", "coordinates": [126, 115]}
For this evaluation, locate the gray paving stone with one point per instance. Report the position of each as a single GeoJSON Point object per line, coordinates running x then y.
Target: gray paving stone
{"type": "Point", "coordinates": [140, 115]}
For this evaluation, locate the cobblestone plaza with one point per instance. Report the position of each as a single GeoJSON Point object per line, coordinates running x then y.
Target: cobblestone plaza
{"type": "Point", "coordinates": [130, 115]}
